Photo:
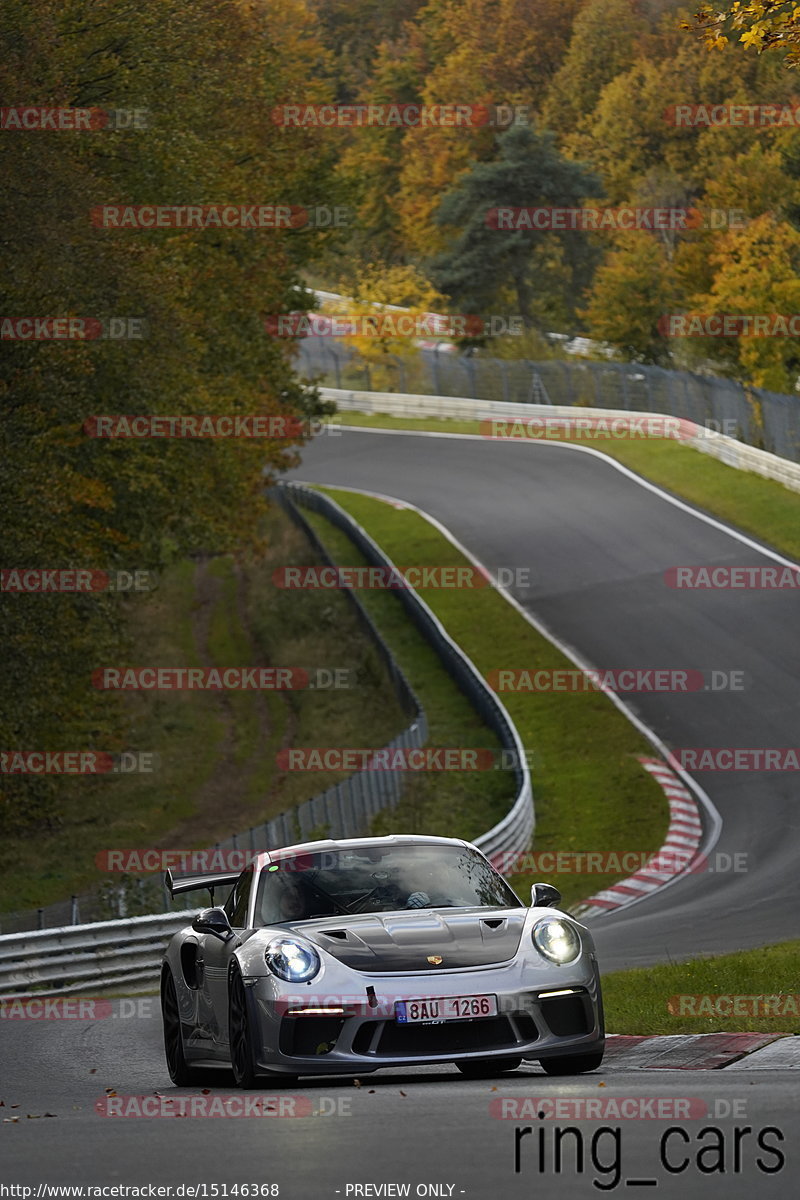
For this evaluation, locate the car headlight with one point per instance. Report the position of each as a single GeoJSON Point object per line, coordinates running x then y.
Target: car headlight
{"type": "Point", "coordinates": [557, 940]}
{"type": "Point", "coordinates": [296, 962]}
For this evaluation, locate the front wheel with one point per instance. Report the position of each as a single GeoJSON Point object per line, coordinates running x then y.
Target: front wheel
{"type": "Point", "coordinates": [487, 1068]}
{"type": "Point", "coordinates": [179, 1071]}
{"type": "Point", "coordinates": [239, 1032]}
{"type": "Point", "coordinates": [572, 1064]}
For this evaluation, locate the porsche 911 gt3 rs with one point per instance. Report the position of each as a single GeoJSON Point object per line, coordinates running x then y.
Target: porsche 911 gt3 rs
{"type": "Point", "coordinates": [342, 957]}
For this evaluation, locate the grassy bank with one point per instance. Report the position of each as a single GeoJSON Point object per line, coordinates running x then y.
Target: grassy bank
{"type": "Point", "coordinates": [214, 770]}
{"type": "Point", "coordinates": [748, 990]}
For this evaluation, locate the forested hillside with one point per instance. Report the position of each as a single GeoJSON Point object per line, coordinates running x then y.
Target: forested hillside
{"type": "Point", "coordinates": [613, 82]}
{"type": "Point", "coordinates": [595, 89]}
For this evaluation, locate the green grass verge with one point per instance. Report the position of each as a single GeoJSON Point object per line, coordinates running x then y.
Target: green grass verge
{"type": "Point", "coordinates": [590, 791]}
{"type": "Point", "coordinates": [216, 772]}
{"type": "Point", "coordinates": [670, 999]}
{"type": "Point", "coordinates": [761, 507]}
{"type": "Point", "coordinates": [444, 804]}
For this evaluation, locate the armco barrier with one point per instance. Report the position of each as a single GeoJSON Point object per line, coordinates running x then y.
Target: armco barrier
{"type": "Point", "coordinates": [727, 449]}
{"type": "Point", "coordinates": [515, 830]}
{"type": "Point", "coordinates": [81, 958]}
{"type": "Point", "coordinates": [126, 954]}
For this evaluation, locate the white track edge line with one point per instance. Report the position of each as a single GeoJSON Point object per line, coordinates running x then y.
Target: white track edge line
{"type": "Point", "coordinates": [639, 479]}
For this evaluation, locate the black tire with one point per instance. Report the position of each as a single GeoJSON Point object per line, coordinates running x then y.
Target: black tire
{"type": "Point", "coordinates": [487, 1068]}
{"type": "Point", "coordinates": [239, 1032]}
{"type": "Point", "coordinates": [179, 1071]}
{"type": "Point", "coordinates": [572, 1064]}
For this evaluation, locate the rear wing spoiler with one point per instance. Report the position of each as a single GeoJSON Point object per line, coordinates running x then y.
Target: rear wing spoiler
{"type": "Point", "coordinates": [196, 883]}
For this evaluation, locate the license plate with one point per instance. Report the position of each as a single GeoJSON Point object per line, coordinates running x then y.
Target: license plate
{"type": "Point", "coordinates": [444, 1008]}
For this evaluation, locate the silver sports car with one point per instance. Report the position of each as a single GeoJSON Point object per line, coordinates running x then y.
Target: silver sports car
{"type": "Point", "coordinates": [341, 957]}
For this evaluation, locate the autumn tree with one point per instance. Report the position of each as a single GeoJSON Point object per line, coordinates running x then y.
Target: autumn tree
{"type": "Point", "coordinates": [757, 273]}
{"type": "Point", "coordinates": [602, 46]}
{"type": "Point", "coordinates": [208, 73]}
{"type": "Point", "coordinates": [758, 25]}
{"type": "Point", "coordinates": [633, 291]}
{"type": "Point", "coordinates": [538, 271]}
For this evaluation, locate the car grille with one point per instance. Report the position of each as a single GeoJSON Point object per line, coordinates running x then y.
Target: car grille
{"type": "Point", "coordinates": [306, 1036]}
{"type": "Point", "coordinates": [568, 1016]}
{"type": "Point", "coordinates": [451, 1037]}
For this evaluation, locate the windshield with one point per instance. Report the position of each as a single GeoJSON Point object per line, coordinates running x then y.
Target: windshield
{"type": "Point", "coordinates": [378, 879]}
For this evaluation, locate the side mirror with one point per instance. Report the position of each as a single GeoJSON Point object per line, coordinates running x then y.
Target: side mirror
{"type": "Point", "coordinates": [544, 895]}
{"type": "Point", "coordinates": [214, 921]}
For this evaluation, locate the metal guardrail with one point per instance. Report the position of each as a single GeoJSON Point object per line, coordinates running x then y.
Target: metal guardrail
{"type": "Point", "coordinates": [127, 953]}
{"type": "Point", "coordinates": [767, 420]}
{"type": "Point", "coordinates": [77, 958]}
{"type": "Point", "coordinates": [514, 832]}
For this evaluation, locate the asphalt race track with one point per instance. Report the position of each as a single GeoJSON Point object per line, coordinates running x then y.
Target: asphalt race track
{"type": "Point", "coordinates": [411, 1127]}
{"type": "Point", "coordinates": [597, 544]}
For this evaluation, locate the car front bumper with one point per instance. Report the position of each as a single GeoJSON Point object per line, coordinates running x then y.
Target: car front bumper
{"type": "Point", "coordinates": [347, 1023]}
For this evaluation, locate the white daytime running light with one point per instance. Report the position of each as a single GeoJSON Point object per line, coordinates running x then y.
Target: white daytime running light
{"type": "Point", "coordinates": [556, 940]}
{"type": "Point", "coordinates": [290, 960]}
